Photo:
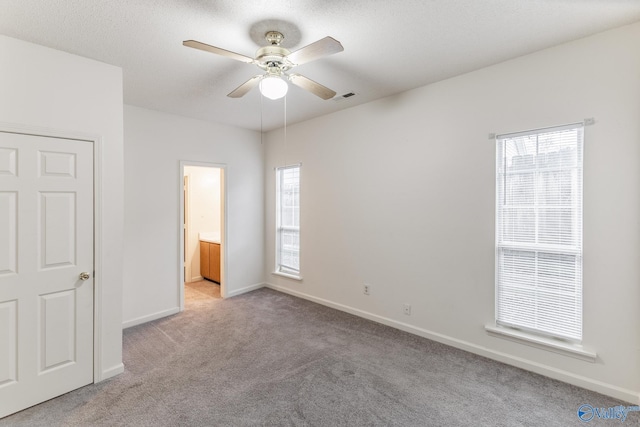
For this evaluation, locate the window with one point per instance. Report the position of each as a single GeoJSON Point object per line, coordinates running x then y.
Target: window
{"type": "Point", "coordinates": [288, 220]}
{"type": "Point", "coordinates": [539, 231]}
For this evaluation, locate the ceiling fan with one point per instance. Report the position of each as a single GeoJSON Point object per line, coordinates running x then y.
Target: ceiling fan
{"type": "Point", "coordinates": [276, 61]}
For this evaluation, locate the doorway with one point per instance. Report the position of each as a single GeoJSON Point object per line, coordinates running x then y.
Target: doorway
{"type": "Point", "coordinates": [202, 231]}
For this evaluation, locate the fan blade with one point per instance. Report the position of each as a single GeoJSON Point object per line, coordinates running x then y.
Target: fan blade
{"type": "Point", "coordinates": [313, 87]}
{"type": "Point", "coordinates": [245, 87]}
{"type": "Point", "coordinates": [208, 48]}
{"type": "Point", "coordinates": [323, 47]}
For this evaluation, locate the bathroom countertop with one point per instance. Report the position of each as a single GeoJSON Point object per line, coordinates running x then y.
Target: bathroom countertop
{"type": "Point", "coordinates": [209, 237]}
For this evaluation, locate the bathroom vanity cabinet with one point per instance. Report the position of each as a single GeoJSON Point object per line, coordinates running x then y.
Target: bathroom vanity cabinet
{"type": "Point", "coordinates": [210, 260]}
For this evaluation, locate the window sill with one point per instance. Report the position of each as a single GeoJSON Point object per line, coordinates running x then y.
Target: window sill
{"type": "Point", "coordinates": [288, 276]}
{"type": "Point", "coordinates": [567, 349]}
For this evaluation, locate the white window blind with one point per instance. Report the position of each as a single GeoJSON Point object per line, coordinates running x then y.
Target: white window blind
{"type": "Point", "coordinates": [288, 220]}
{"type": "Point", "coordinates": [539, 231]}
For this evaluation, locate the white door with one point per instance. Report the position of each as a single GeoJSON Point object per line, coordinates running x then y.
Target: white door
{"type": "Point", "coordinates": [46, 242]}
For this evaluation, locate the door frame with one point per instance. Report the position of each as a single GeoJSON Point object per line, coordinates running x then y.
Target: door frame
{"type": "Point", "coordinates": [185, 231]}
{"type": "Point", "coordinates": [97, 142]}
{"type": "Point", "coordinates": [223, 229]}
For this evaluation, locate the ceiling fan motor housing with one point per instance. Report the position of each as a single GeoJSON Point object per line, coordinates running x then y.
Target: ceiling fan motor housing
{"type": "Point", "coordinates": [272, 54]}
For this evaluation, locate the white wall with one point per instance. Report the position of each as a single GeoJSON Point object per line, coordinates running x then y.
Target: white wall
{"type": "Point", "coordinates": [44, 89]}
{"type": "Point", "coordinates": [203, 213]}
{"type": "Point", "coordinates": [399, 193]}
{"type": "Point", "coordinates": [155, 144]}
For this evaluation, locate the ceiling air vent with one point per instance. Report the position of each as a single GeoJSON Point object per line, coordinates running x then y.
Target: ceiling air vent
{"type": "Point", "coordinates": [343, 97]}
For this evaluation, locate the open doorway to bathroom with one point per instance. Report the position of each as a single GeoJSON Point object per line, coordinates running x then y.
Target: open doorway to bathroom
{"type": "Point", "coordinates": [202, 232]}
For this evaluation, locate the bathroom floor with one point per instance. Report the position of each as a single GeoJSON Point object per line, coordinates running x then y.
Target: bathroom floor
{"type": "Point", "coordinates": [202, 290]}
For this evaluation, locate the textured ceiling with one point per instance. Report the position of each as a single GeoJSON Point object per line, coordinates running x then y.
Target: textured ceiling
{"type": "Point", "coordinates": [390, 46]}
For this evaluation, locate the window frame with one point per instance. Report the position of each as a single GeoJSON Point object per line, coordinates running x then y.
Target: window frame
{"type": "Point", "coordinates": [538, 248]}
{"type": "Point", "coordinates": [280, 268]}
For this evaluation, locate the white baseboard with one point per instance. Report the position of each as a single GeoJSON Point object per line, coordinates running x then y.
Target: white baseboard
{"type": "Point", "coordinates": [195, 279]}
{"type": "Point", "coordinates": [244, 290]}
{"type": "Point", "coordinates": [112, 372]}
{"type": "Point", "coordinates": [548, 371]}
{"type": "Point", "coordinates": [150, 317]}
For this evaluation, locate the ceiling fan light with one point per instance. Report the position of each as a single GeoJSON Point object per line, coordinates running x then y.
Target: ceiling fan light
{"type": "Point", "coordinates": [273, 87]}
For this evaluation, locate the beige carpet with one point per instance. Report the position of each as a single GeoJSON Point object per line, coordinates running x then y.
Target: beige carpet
{"type": "Point", "coordinates": [266, 358]}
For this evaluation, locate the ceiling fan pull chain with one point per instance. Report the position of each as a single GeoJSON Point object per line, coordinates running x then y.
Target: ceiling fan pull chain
{"type": "Point", "coordinates": [285, 131]}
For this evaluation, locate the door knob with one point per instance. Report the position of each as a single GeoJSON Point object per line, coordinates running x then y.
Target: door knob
{"type": "Point", "coordinates": [84, 275]}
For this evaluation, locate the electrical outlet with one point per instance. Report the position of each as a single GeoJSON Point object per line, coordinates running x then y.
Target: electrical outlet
{"type": "Point", "coordinates": [407, 309]}
{"type": "Point", "coordinates": [367, 289]}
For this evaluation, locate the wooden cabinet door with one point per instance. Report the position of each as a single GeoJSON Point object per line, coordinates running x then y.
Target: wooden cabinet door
{"type": "Point", "coordinates": [205, 269]}
{"type": "Point", "coordinates": [214, 263]}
